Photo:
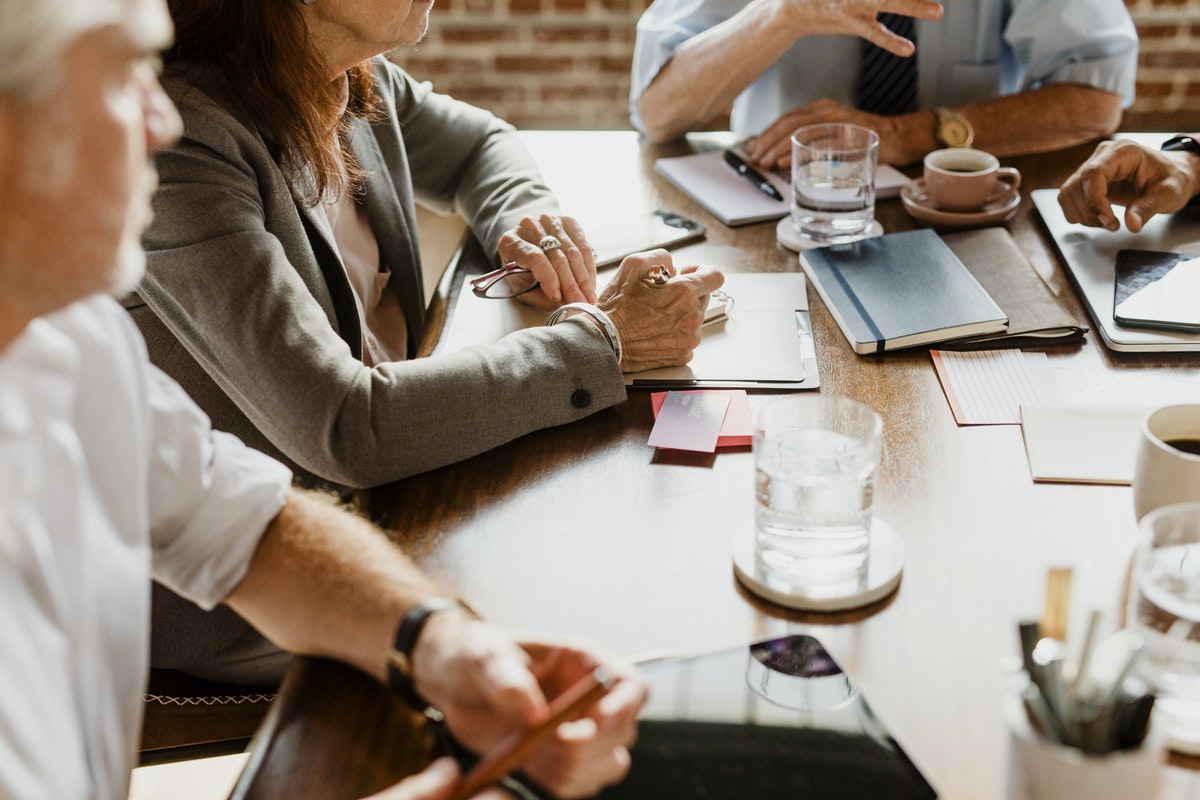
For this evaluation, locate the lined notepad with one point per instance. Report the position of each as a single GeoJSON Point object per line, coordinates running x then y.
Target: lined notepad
{"type": "Point", "coordinates": [988, 387]}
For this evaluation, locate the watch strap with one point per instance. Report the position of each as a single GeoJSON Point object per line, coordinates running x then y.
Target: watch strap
{"type": "Point", "coordinates": [1184, 142]}
{"type": "Point", "coordinates": [399, 669]}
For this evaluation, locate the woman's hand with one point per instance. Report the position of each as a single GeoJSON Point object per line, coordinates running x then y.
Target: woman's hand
{"type": "Point", "coordinates": [658, 321]}
{"type": "Point", "coordinates": [489, 684]}
{"type": "Point", "coordinates": [557, 252]}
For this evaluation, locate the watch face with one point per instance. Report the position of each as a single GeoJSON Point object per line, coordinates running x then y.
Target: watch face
{"type": "Point", "coordinates": [955, 133]}
{"type": "Point", "coordinates": [953, 130]}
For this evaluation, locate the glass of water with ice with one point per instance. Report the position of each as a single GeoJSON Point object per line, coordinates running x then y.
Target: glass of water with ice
{"type": "Point", "coordinates": [1164, 607]}
{"type": "Point", "coordinates": [833, 182]}
{"type": "Point", "coordinates": [815, 459]}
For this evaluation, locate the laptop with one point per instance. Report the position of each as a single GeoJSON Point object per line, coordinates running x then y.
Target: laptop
{"type": "Point", "coordinates": [1090, 255]}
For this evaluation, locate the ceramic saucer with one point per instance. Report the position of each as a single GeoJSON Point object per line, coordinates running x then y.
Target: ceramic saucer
{"type": "Point", "coordinates": [790, 238]}
{"type": "Point", "coordinates": [1000, 206]}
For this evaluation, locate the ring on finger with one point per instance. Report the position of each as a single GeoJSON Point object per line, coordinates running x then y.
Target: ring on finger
{"type": "Point", "coordinates": [549, 243]}
{"type": "Point", "coordinates": [658, 275]}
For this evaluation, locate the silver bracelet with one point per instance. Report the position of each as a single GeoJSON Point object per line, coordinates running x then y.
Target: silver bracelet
{"type": "Point", "coordinates": [602, 320]}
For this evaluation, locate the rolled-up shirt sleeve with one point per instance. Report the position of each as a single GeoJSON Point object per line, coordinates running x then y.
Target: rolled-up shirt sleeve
{"type": "Point", "coordinates": [663, 27]}
{"type": "Point", "coordinates": [211, 497]}
{"type": "Point", "coordinates": [1089, 42]}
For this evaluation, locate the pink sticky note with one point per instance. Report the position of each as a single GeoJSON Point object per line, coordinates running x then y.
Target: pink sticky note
{"type": "Point", "coordinates": [738, 427]}
{"type": "Point", "coordinates": [689, 422]}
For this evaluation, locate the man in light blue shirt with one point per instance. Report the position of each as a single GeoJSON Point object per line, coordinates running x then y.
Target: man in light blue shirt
{"type": "Point", "coordinates": [1011, 76]}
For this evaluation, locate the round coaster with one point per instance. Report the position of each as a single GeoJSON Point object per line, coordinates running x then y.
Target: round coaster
{"type": "Point", "coordinates": [786, 233]}
{"type": "Point", "coordinates": [885, 561]}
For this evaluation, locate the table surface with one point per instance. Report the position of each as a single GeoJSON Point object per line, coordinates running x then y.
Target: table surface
{"type": "Point", "coordinates": [585, 529]}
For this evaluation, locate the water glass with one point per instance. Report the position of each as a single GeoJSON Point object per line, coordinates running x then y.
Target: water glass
{"type": "Point", "coordinates": [815, 459]}
{"type": "Point", "coordinates": [833, 182]}
{"type": "Point", "coordinates": [1164, 607]}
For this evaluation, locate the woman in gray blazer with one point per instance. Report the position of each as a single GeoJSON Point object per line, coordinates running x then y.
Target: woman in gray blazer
{"type": "Point", "coordinates": [283, 288]}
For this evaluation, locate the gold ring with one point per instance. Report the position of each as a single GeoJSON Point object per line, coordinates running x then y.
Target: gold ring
{"type": "Point", "coordinates": [658, 275]}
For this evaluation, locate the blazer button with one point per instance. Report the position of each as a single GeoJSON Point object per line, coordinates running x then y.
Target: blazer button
{"type": "Point", "coordinates": [581, 398]}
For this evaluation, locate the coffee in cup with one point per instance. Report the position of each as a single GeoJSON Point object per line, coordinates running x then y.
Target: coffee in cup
{"type": "Point", "coordinates": [962, 179]}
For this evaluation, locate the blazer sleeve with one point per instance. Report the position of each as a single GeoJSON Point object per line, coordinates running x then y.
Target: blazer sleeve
{"type": "Point", "coordinates": [243, 317]}
{"type": "Point", "coordinates": [461, 157]}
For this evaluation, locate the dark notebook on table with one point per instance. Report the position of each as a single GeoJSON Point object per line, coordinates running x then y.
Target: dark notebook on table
{"type": "Point", "coordinates": [901, 290]}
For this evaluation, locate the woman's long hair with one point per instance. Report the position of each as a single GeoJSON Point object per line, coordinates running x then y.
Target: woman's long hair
{"type": "Point", "coordinates": [264, 50]}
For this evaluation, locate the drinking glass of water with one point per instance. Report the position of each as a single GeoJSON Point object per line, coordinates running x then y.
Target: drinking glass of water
{"type": "Point", "coordinates": [815, 458]}
{"type": "Point", "coordinates": [833, 182]}
{"type": "Point", "coordinates": [1164, 607]}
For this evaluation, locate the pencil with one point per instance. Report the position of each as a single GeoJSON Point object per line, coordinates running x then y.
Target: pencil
{"type": "Point", "coordinates": [1058, 604]}
{"type": "Point", "coordinates": [512, 752]}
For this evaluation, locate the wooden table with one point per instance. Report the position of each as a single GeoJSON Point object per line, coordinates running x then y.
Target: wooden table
{"type": "Point", "coordinates": [586, 529]}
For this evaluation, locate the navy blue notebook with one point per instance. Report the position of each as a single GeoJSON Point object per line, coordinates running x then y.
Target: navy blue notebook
{"type": "Point", "coordinates": [900, 290]}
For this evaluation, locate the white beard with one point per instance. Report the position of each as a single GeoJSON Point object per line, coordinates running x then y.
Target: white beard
{"type": "Point", "coordinates": [129, 268]}
{"type": "Point", "coordinates": [130, 258]}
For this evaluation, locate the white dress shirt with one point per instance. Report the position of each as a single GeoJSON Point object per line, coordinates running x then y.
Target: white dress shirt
{"type": "Point", "coordinates": [979, 49]}
{"type": "Point", "coordinates": [108, 475]}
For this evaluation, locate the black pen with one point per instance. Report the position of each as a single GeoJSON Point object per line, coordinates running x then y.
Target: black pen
{"type": "Point", "coordinates": [751, 174]}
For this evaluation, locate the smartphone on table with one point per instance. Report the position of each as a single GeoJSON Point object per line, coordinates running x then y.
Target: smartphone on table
{"type": "Point", "coordinates": [661, 228]}
{"type": "Point", "coordinates": [1158, 290]}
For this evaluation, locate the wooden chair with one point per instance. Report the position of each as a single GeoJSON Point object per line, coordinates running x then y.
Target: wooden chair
{"type": "Point", "coordinates": [187, 717]}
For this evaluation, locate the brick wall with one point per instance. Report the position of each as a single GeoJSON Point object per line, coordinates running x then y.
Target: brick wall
{"type": "Point", "coordinates": [551, 64]}
{"type": "Point", "coordinates": [1168, 65]}
{"type": "Point", "coordinates": [564, 64]}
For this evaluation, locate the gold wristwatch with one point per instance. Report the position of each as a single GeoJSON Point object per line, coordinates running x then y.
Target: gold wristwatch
{"type": "Point", "coordinates": [952, 129]}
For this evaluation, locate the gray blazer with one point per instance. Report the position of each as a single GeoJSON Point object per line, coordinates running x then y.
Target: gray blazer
{"type": "Point", "coordinates": [247, 304]}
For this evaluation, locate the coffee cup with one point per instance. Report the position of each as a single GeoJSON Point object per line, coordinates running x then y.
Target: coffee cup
{"type": "Point", "coordinates": [962, 179]}
{"type": "Point", "coordinates": [1167, 467]}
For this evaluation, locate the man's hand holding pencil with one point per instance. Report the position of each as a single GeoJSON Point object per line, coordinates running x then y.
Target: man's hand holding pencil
{"type": "Point", "coordinates": [560, 712]}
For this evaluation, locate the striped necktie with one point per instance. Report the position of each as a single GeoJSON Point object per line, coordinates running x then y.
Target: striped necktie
{"type": "Point", "coordinates": [887, 84]}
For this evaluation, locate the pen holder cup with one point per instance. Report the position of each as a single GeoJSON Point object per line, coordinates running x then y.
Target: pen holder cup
{"type": "Point", "coordinates": [1039, 769]}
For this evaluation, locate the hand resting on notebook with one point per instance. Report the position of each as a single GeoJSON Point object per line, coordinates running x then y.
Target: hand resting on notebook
{"type": "Point", "coordinates": [658, 322]}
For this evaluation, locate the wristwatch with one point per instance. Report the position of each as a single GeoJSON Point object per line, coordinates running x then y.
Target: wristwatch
{"type": "Point", "coordinates": [399, 666]}
{"type": "Point", "coordinates": [1187, 144]}
{"type": "Point", "coordinates": [1182, 142]}
{"type": "Point", "coordinates": [952, 129]}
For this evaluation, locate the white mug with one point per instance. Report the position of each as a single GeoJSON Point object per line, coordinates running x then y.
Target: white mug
{"type": "Point", "coordinates": [1164, 471]}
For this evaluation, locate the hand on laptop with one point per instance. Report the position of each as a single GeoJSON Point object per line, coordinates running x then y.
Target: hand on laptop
{"type": "Point", "coordinates": [1147, 182]}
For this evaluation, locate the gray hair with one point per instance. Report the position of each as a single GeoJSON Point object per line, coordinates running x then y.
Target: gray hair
{"type": "Point", "coordinates": [33, 36]}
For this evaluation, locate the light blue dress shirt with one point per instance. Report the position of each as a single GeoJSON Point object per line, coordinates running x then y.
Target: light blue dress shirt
{"type": "Point", "coordinates": [978, 50]}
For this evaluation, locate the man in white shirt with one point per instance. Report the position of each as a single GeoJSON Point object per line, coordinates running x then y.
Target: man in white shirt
{"type": "Point", "coordinates": [109, 474]}
{"type": "Point", "coordinates": [1006, 76]}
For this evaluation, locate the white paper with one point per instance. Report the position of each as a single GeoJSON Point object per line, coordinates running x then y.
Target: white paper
{"type": "Point", "coordinates": [1082, 443]}
{"type": "Point", "coordinates": [759, 344]}
{"type": "Point", "coordinates": [734, 200]}
{"type": "Point", "coordinates": [988, 387]}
